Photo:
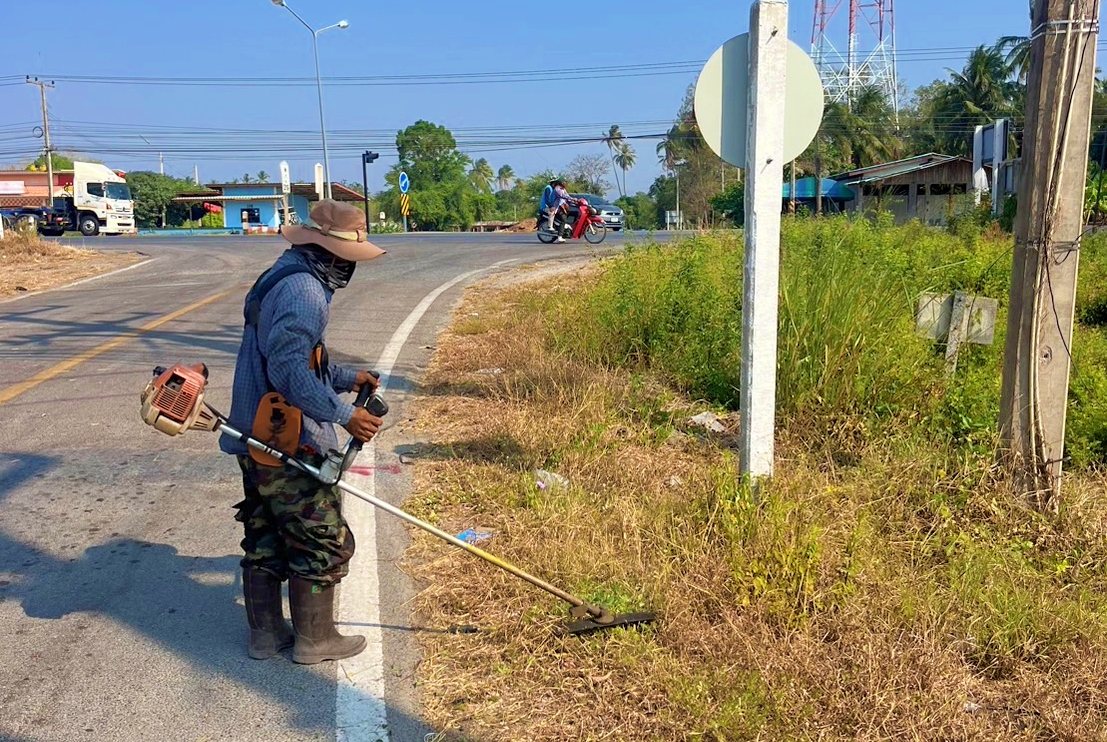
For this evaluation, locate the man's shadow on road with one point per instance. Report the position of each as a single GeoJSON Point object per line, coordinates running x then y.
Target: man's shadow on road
{"type": "Point", "coordinates": [187, 604]}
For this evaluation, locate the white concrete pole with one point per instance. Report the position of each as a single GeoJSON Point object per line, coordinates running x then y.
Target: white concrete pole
{"type": "Point", "coordinates": [999, 135]}
{"type": "Point", "coordinates": [761, 276]}
{"type": "Point", "coordinates": [977, 163]}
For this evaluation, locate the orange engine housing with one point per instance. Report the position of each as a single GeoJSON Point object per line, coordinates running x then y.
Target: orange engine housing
{"type": "Point", "coordinates": [173, 401]}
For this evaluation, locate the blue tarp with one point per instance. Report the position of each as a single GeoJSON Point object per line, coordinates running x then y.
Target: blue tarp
{"type": "Point", "coordinates": [805, 190]}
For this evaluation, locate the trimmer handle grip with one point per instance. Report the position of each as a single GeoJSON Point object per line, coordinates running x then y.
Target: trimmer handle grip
{"type": "Point", "coordinates": [369, 398]}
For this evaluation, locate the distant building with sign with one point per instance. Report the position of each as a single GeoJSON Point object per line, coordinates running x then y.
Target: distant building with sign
{"type": "Point", "coordinates": [259, 205]}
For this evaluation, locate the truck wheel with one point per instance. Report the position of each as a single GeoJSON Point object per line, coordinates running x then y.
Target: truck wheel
{"type": "Point", "coordinates": [27, 224]}
{"type": "Point", "coordinates": [89, 225]}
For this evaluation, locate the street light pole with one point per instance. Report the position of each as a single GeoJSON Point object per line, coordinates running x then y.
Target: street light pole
{"type": "Point", "coordinates": [319, 86]}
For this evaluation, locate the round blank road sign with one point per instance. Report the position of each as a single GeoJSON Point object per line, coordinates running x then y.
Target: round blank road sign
{"type": "Point", "coordinates": [722, 101]}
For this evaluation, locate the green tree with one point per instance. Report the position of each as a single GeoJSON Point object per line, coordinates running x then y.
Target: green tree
{"type": "Point", "coordinates": [504, 177]}
{"type": "Point", "coordinates": [1016, 51]}
{"type": "Point", "coordinates": [731, 203]}
{"type": "Point", "coordinates": [247, 178]}
{"type": "Point", "coordinates": [153, 195]}
{"type": "Point", "coordinates": [481, 176]}
{"type": "Point", "coordinates": [614, 140]}
{"type": "Point", "coordinates": [60, 162]}
{"type": "Point", "coordinates": [262, 176]}
{"type": "Point", "coordinates": [639, 211]}
{"type": "Point", "coordinates": [981, 92]}
{"type": "Point", "coordinates": [861, 132]}
{"type": "Point", "coordinates": [428, 154]}
{"type": "Point", "coordinates": [625, 158]}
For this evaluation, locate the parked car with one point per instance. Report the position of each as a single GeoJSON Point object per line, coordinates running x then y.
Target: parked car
{"type": "Point", "coordinates": [611, 214]}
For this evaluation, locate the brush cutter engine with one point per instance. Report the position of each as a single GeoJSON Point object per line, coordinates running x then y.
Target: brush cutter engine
{"type": "Point", "coordinates": [173, 401]}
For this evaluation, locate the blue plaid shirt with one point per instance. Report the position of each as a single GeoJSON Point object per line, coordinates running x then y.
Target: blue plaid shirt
{"type": "Point", "coordinates": [291, 323]}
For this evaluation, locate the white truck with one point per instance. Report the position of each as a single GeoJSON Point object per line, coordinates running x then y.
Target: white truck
{"type": "Point", "coordinates": [98, 200]}
{"type": "Point", "coordinates": [92, 199]}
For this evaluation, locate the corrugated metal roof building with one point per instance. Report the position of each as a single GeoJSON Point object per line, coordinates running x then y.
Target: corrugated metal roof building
{"type": "Point", "coordinates": [924, 187]}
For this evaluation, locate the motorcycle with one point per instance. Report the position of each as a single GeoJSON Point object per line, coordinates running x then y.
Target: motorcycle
{"type": "Point", "coordinates": [588, 225]}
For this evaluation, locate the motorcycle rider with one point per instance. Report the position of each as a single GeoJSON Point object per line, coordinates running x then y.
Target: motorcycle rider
{"type": "Point", "coordinates": [561, 201]}
{"type": "Point", "coordinates": [546, 205]}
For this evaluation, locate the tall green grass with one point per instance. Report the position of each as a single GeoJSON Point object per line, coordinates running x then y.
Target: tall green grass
{"type": "Point", "coordinates": [850, 362]}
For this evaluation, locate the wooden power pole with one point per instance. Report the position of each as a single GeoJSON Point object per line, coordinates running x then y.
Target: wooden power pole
{"type": "Point", "coordinates": [1048, 228]}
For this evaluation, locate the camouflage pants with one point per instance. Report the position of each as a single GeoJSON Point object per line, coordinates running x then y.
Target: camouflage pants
{"type": "Point", "coordinates": [293, 524]}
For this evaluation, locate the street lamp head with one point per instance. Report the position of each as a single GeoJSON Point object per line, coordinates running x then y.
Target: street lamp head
{"type": "Point", "coordinates": [278, 3]}
{"type": "Point", "coordinates": [341, 24]}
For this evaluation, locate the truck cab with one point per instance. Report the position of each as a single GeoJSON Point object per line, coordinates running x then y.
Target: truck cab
{"type": "Point", "coordinates": [100, 201]}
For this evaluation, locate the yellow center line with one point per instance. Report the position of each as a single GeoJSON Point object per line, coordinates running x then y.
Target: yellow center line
{"type": "Point", "coordinates": [7, 395]}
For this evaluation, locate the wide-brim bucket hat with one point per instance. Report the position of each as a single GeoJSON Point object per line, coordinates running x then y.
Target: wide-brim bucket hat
{"type": "Point", "coordinates": [338, 228]}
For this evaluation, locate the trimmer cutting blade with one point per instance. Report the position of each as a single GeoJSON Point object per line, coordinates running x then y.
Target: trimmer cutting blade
{"type": "Point", "coordinates": [588, 625]}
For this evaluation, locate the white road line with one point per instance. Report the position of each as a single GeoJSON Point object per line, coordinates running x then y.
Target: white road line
{"type": "Point", "coordinates": [361, 714]}
{"type": "Point", "coordinates": [78, 283]}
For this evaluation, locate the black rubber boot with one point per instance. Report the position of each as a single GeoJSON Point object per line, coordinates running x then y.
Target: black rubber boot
{"type": "Point", "coordinates": [317, 639]}
{"type": "Point", "coordinates": [269, 632]}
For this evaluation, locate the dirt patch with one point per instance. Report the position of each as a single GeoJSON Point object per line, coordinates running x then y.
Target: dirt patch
{"type": "Point", "coordinates": [526, 225]}
{"type": "Point", "coordinates": [28, 263]}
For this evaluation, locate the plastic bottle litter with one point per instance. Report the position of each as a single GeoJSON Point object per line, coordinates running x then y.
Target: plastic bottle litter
{"type": "Point", "coordinates": [549, 480]}
{"type": "Point", "coordinates": [470, 536]}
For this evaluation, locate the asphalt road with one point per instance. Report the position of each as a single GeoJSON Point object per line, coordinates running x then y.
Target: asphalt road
{"type": "Point", "coordinates": [120, 595]}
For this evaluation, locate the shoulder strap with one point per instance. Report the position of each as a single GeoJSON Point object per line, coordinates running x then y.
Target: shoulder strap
{"type": "Point", "coordinates": [265, 283]}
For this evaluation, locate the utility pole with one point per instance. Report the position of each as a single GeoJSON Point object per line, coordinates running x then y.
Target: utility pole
{"type": "Point", "coordinates": [196, 174]}
{"type": "Point", "coordinates": [161, 164]}
{"type": "Point", "coordinates": [46, 138]}
{"type": "Point", "coordinates": [1048, 230]}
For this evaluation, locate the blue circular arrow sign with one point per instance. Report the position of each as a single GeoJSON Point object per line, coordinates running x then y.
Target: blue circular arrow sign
{"type": "Point", "coordinates": [404, 182]}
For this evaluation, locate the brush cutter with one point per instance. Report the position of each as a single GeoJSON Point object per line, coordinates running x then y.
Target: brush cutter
{"type": "Point", "coordinates": [173, 403]}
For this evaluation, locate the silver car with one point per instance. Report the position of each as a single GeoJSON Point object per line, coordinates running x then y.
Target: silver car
{"type": "Point", "coordinates": [611, 214]}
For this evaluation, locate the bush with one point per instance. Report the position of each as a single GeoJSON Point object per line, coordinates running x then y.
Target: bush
{"type": "Point", "coordinates": [850, 363]}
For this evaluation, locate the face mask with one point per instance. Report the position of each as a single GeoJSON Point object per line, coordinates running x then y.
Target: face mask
{"type": "Point", "coordinates": [332, 270]}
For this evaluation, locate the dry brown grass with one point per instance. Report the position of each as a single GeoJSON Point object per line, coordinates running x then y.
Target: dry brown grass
{"type": "Point", "coordinates": [29, 263]}
{"type": "Point", "coordinates": [838, 606]}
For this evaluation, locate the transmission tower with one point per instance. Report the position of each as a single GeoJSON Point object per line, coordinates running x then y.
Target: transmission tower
{"type": "Point", "coordinates": [870, 48]}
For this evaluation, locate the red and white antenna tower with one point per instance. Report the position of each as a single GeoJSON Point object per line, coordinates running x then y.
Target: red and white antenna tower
{"type": "Point", "coordinates": [870, 56]}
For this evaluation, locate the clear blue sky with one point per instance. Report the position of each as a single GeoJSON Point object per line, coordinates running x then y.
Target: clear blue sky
{"type": "Point", "coordinates": [253, 38]}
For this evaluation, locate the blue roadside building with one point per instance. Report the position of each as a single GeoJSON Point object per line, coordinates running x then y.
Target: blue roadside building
{"type": "Point", "coordinates": [259, 206]}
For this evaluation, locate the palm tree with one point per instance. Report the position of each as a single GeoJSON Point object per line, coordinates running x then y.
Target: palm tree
{"type": "Point", "coordinates": [263, 177]}
{"type": "Point", "coordinates": [981, 92]}
{"type": "Point", "coordinates": [504, 177]}
{"type": "Point", "coordinates": [247, 178]}
{"type": "Point", "coordinates": [1016, 50]}
{"type": "Point", "coordinates": [481, 175]}
{"type": "Point", "coordinates": [614, 141]}
{"type": "Point", "coordinates": [625, 159]}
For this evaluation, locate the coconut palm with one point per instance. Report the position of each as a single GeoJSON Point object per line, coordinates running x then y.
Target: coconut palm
{"type": "Point", "coordinates": [625, 158]}
{"type": "Point", "coordinates": [262, 176]}
{"type": "Point", "coordinates": [1016, 51]}
{"type": "Point", "coordinates": [614, 141]}
{"type": "Point", "coordinates": [981, 92]}
{"type": "Point", "coordinates": [481, 175]}
{"type": "Point", "coordinates": [504, 177]}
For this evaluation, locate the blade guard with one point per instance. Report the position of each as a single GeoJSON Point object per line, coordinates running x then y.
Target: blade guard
{"type": "Point", "coordinates": [173, 402]}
